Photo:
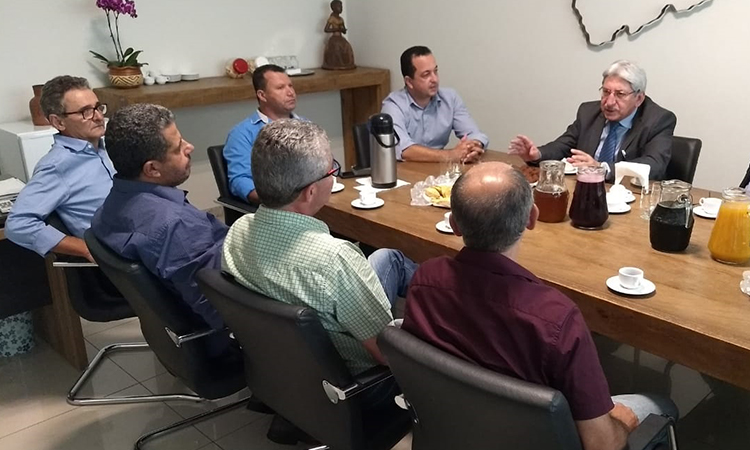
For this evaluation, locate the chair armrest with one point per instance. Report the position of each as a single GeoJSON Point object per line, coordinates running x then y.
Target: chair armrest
{"type": "Point", "coordinates": [362, 382]}
{"type": "Point", "coordinates": [651, 429]}
{"type": "Point", "coordinates": [236, 204]}
{"type": "Point", "coordinates": [71, 264]}
{"type": "Point", "coordinates": [179, 340]}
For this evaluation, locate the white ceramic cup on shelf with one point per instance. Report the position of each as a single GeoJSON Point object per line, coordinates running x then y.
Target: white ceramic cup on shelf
{"type": "Point", "coordinates": [710, 205]}
{"type": "Point", "coordinates": [148, 81]}
{"type": "Point", "coordinates": [630, 277]}
{"type": "Point", "coordinates": [161, 79]}
{"type": "Point", "coordinates": [367, 197]}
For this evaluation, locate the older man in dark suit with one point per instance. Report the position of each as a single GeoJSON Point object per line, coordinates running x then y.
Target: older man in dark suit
{"type": "Point", "coordinates": [625, 125]}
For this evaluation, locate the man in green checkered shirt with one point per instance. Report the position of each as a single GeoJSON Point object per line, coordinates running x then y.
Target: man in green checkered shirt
{"type": "Point", "coordinates": [282, 251]}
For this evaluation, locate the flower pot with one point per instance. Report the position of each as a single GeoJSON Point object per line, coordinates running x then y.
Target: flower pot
{"type": "Point", "coordinates": [37, 116]}
{"type": "Point", "coordinates": [125, 77]}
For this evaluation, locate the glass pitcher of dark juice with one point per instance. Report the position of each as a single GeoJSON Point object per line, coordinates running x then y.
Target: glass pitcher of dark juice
{"type": "Point", "coordinates": [551, 193]}
{"type": "Point", "coordinates": [671, 222]}
{"type": "Point", "coordinates": [588, 209]}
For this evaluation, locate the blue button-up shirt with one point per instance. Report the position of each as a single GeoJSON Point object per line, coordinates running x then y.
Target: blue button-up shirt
{"type": "Point", "coordinates": [430, 126]}
{"type": "Point", "coordinates": [157, 226]}
{"type": "Point", "coordinates": [72, 179]}
{"type": "Point", "coordinates": [237, 151]}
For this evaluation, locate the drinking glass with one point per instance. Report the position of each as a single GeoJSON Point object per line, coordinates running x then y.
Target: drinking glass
{"type": "Point", "coordinates": [649, 199]}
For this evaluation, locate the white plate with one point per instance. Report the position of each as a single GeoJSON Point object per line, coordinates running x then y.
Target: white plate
{"type": "Point", "coordinates": [338, 187]}
{"type": "Point", "coordinates": [630, 198]}
{"type": "Point", "coordinates": [618, 209]}
{"type": "Point", "coordinates": [302, 73]}
{"type": "Point", "coordinates": [443, 228]}
{"type": "Point", "coordinates": [571, 170]}
{"type": "Point", "coordinates": [378, 203]}
{"type": "Point", "coordinates": [700, 212]}
{"type": "Point", "coordinates": [645, 288]}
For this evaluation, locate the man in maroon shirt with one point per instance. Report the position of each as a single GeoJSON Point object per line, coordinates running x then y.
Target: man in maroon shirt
{"type": "Point", "coordinates": [485, 308]}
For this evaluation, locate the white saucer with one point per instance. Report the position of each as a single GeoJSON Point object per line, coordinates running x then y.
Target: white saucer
{"type": "Point", "coordinates": [443, 228]}
{"type": "Point", "coordinates": [338, 187]}
{"type": "Point", "coordinates": [378, 203]}
{"type": "Point", "coordinates": [630, 198]}
{"type": "Point", "coordinates": [645, 288]}
{"type": "Point", "coordinates": [700, 212]}
{"type": "Point", "coordinates": [618, 209]}
{"type": "Point", "coordinates": [571, 171]}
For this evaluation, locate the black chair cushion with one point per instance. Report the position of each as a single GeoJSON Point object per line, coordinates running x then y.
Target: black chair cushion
{"type": "Point", "coordinates": [221, 175]}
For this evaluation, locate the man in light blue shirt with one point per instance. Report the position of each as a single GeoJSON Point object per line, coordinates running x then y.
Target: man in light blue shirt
{"type": "Point", "coordinates": [425, 114]}
{"type": "Point", "coordinates": [276, 100]}
{"type": "Point", "coordinates": [73, 179]}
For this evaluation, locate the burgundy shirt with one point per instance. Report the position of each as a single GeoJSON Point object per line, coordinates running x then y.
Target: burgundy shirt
{"type": "Point", "coordinates": [485, 308]}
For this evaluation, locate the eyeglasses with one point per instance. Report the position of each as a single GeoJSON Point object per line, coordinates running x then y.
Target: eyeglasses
{"type": "Point", "coordinates": [619, 95]}
{"type": "Point", "coordinates": [88, 113]}
{"type": "Point", "coordinates": [335, 171]}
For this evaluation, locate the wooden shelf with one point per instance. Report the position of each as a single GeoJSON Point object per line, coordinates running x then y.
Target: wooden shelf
{"type": "Point", "coordinates": [362, 91]}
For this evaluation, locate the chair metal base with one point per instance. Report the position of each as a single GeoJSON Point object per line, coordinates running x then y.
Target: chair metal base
{"type": "Point", "coordinates": [93, 365]}
{"type": "Point", "coordinates": [187, 422]}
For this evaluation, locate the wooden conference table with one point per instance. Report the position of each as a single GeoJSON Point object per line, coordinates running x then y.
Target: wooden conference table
{"type": "Point", "coordinates": [697, 317]}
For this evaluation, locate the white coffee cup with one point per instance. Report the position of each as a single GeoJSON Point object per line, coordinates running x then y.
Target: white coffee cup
{"type": "Point", "coordinates": [615, 198]}
{"type": "Point", "coordinates": [367, 197]}
{"type": "Point", "coordinates": [161, 79]}
{"type": "Point", "coordinates": [447, 220]}
{"type": "Point", "coordinates": [630, 277]}
{"type": "Point", "coordinates": [620, 189]}
{"type": "Point", "coordinates": [710, 205]}
{"type": "Point", "coordinates": [148, 81]}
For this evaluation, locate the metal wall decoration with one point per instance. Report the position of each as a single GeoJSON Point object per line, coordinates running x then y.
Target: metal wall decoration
{"type": "Point", "coordinates": [626, 29]}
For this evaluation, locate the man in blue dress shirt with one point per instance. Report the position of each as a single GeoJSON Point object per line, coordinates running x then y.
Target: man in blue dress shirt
{"type": "Point", "coordinates": [146, 217]}
{"type": "Point", "coordinates": [424, 114]}
{"type": "Point", "coordinates": [72, 179]}
{"type": "Point", "coordinates": [276, 100]}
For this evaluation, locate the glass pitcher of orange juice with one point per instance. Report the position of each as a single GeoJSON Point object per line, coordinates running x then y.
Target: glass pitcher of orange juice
{"type": "Point", "coordinates": [730, 238]}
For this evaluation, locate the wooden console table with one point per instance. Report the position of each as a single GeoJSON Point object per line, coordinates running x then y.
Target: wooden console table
{"type": "Point", "coordinates": [362, 91]}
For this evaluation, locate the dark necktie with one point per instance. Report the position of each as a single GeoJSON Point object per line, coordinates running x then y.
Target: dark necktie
{"type": "Point", "coordinates": [607, 155]}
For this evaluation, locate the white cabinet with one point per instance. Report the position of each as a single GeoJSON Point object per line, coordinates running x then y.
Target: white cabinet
{"type": "Point", "coordinates": [22, 145]}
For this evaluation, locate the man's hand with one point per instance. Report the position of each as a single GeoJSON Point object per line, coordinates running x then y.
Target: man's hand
{"type": "Point", "coordinates": [475, 153]}
{"type": "Point", "coordinates": [525, 148]}
{"type": "Point", "coordinates": [70, 245]}
{"type": "Point", "coordinates": [624, 415]}
{"type": "Point", "coordinates": [461, 150]}
{"type": "Point", "coordinates": [581, 159]}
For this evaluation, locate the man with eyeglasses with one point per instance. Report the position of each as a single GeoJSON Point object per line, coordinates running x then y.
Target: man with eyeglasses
{"type": "Point", "coordinates": [285, 253]}
{"type": "Point", "coordinates": [625, 125]}
{"type": "Point", "coordinates": [72, 179]}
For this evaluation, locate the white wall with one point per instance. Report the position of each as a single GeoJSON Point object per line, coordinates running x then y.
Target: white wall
{"type": "Point", "coordinates": [524, 67]}
{"type": "Point", "coordinates": [40, 39]}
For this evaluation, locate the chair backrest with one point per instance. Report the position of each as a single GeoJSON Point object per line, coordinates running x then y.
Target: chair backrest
{"type": "Point", "coordinates": [219, 168]}
{"type": "Point", "coordinates": [92, 295]}
{"type": "Point", "coordinates": [362, 145]}
{"type": "Point", "coordinates": [457, 404]}
{"type": "Point", "coordinates": [288, 354]}
{"type": "Point", "coordinates": [746, 178]}
{"type": "Point", "coordinates": [684, 160]}
{"type": "Point", "coordinates": [158, 308]}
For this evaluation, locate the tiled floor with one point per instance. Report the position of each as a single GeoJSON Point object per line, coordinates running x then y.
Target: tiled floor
{"type": "Point", "coordinates": [34, 414]}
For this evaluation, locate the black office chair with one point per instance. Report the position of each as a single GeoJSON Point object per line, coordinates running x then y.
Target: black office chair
{"type": "Point", "coordinates": [96, 299]}
{"type": "Point", "coordinates": [234, 207]}
{"type": "Point", "coordinates": [292, 366]}
{"type": "Point", "coordinates": [362, 145]}
{"type": "Point", "coordinates": [746, 179]}
{"type": "Point", "coordinates": [457, 404]}
{"type": "Point", "coordinates": [684, 160]}
{"type": "Point", "coordinates": [178, 337]}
